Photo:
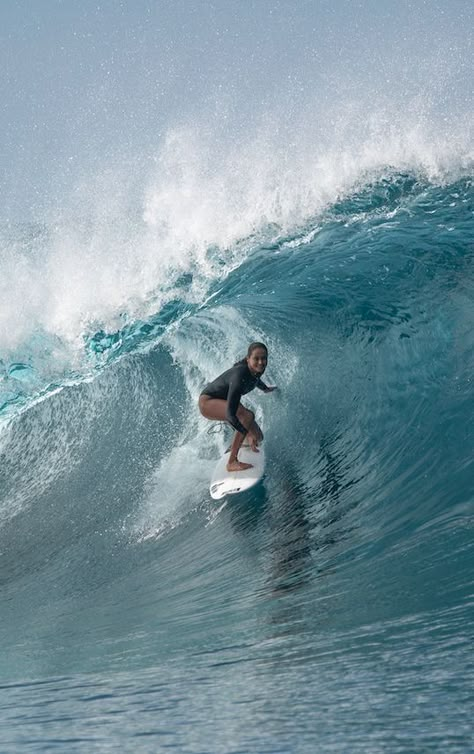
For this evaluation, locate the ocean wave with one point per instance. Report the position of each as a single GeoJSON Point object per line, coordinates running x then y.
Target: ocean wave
{"type": "Point", "coordinates": [72, 308]}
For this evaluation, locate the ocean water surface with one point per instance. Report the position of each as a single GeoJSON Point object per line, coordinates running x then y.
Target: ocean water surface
{"type": "Point", "coordinates": [328, 609]}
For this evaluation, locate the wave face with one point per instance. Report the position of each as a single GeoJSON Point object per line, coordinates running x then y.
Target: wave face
{"type": "Point", "coordinates": [338, 590]}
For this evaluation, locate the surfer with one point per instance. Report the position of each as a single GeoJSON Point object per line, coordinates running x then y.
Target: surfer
{"type": "Point", "coordinates": [220, 401]}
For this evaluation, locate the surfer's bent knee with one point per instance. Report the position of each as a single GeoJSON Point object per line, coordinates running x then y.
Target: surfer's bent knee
{"type": "Point", "coordinates": [202, 401]}
{"type": "Point", "coordinates": [246, 415]}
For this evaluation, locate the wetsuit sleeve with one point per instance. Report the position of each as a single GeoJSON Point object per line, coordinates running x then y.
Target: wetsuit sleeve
{"type": "Point", "coordinates": [261, 385]}
{"type": "Point", "coordinates": [233, 400]}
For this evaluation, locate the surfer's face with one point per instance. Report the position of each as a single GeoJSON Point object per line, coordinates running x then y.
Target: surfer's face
{"type": "Point", "coordinates": [257, 361]}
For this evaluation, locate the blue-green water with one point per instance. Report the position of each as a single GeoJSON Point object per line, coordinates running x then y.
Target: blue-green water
{"type": "Point", "coordinates": [330, 609]}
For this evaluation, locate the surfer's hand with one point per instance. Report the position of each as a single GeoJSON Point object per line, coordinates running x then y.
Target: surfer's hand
{"type": "Point", "coordinates": [253, 442]}
{"type": "Point", "coordinates": [271, 388]}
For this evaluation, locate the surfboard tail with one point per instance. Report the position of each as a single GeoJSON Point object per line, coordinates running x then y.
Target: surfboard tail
{"type": "Point", "coordinates": [225, 482]}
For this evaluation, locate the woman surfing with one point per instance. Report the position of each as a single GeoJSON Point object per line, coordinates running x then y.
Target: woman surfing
{"type": "Point", "coordinates": [220, 401]}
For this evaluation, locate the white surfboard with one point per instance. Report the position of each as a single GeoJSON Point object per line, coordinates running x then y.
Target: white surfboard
{"type": "Point", "coordinates": [225, 482]}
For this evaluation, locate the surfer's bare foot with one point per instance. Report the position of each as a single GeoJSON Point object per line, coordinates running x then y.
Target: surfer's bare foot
{"type": "Point", "coordinates": [238, 466]}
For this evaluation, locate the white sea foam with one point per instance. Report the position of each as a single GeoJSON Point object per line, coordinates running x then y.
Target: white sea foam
{"type": "Point", "coordinates": [123, 245]}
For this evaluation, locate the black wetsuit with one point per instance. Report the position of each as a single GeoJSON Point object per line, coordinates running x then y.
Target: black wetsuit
{"type": "Point", "coordinates": [230, 386]}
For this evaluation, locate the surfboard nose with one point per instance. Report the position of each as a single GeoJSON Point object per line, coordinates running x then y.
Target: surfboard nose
{"type": "Point", "coordinates": [217, 490]}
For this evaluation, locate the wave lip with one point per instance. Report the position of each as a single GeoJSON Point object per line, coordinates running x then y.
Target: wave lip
{"type": "Point", "coordinates": [73, 270]}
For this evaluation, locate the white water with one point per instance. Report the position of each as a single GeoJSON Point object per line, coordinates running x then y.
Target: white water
{"type": "Point", "coordinates": [118, 246]}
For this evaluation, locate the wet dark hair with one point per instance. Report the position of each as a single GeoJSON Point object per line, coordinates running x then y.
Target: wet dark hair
{"type": "Point", "coordinates": [252, 347]}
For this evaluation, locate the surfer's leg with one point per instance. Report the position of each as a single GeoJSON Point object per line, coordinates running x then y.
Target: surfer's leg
{"type": "Point", "coordinates": [215, 409]}
{"type": "Point", "coordinates": [255, 429]}
{"type": "Point", "coordinates": [247, 419]}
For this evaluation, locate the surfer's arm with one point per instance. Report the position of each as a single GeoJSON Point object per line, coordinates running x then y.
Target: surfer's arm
{"type": "Point", "coordinates": [233, 400]}
{"type": "Point", "coordinates": [266, 388]}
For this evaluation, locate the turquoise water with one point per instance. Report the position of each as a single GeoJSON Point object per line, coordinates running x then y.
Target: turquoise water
{"type": "Point", "coordinates": [329, 609]}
